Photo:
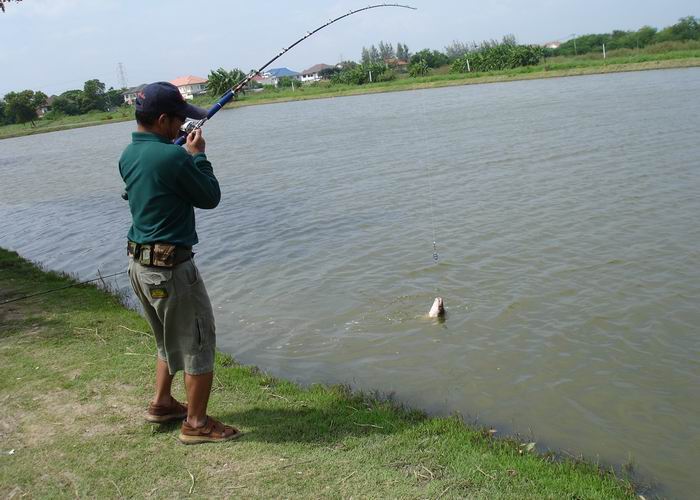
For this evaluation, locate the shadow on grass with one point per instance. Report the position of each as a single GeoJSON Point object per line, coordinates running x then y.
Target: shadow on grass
{"type": "Point", "coordinates": [314, 425]}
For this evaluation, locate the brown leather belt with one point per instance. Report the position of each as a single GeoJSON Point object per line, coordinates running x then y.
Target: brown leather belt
{"type": "Point", "coordinates": [158, 254]}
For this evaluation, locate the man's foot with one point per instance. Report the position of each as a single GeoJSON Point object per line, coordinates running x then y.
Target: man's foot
{"type": "Point", "coordinates": [165, 413]}
{"type": "Point", "coordinates": [212, 431]}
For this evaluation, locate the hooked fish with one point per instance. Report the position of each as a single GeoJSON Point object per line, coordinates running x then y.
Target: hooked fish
{"type": "Point", "coordinates": [438, 309]}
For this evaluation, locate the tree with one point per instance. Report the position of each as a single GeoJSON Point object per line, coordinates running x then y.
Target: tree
{"type": "Point", "coordinates": [419, 68]}
{"type": "Point", "coordinates": [69, 102]}
{"type": "Point", "coordinates": [20, 106]}
{"type": "Point", "coordinates": [645, 36]}
{"type": "Point", "coordinates": [221, 81]}
{"type": "Point", "coordinates": [374, 55]}
{"type": "Point", "coordinates": [366, 58]}
{"type": "Point", "coordinates": [687, 28]}
{"type": "Point", "coordinates": [327, 73]}
{"type": "Point", "coordinates": [285, 82]}
{"type": "Point", "coordinates": [351, 75]}
{"type": "Point", "coordinates": [509, 40]}
{"type": "Point", "coordinates": [93, 96]}
{"type": "Point", "coordinates": [402, 52]}
{"type": "Point", "coordinates": [456, 49]}
{"type": "Point", "coordinates": [499, 57]}
{"type": "Point", "coordinates": [39, 99]}
{"type": "Point", "coordinates": [114, 97]}
{"type": "Point", "coordinates": [433, 58]}
{"type": "Point", "coordinates": [386, 51]}
{"type": "Point", "coordinates": [3, 118]}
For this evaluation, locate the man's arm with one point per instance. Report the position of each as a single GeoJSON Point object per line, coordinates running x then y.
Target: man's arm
{"type": "Point", "coordinates": [196, 178]}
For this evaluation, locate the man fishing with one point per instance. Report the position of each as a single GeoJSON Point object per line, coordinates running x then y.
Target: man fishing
{"type": "Point", "coordinates": [164, 184]}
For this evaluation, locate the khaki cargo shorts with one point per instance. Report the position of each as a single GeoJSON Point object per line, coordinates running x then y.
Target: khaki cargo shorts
{"type": "Point", "coordinates": [177, 306]}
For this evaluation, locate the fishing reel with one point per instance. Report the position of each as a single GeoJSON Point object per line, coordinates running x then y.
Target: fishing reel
{"type": "Point", "coordinates": [190, 126]}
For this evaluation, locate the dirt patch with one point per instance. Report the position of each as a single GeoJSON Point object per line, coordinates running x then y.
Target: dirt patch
{"type": "Point", "coordinates": [61, 413]}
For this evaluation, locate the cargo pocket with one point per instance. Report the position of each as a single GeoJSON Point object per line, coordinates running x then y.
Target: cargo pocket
{"type": "Point", "coordinates": [156, 283]}
{"type": "Point", "coordinates": [159, 277]}
{"type": "Point", "coordinates": [205, 335]}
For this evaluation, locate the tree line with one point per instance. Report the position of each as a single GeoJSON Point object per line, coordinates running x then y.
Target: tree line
{"type": "Point", "coordinates": [687, 28]}
{"type": "Point", "coordinates": [384, 52]}
{"type": "Point", "coordinates": [24, 106]}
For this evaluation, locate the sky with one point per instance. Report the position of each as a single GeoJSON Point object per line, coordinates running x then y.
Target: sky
{"type": "Point", "coordinates": [56, 45]}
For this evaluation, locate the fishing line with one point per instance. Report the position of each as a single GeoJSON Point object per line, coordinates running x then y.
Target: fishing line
{"type": "Point", "coordinates": [428, 166]}
{"type": "Point", "coordinates": [100, 278]}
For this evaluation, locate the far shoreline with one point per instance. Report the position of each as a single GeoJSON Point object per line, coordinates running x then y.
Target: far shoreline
{"type": "Point", "coordinates": [413, 84]}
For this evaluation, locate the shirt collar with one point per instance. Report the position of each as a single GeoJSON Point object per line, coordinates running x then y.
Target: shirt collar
{"type": "Point", "coordinates": [148, 137]}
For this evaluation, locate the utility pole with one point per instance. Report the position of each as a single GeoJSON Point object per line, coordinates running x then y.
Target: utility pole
{"type": "Point", "coordinates": [575, 49]}
{"type": "Point", "coordinates": [121, 76]}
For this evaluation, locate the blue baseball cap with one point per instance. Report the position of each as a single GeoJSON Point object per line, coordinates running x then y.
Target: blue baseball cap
{"type": "Point", "coordinates": [164, 97]}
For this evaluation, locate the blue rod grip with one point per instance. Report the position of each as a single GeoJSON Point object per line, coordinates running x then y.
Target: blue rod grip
{"type": "Point", "coordinates": [212, 111]}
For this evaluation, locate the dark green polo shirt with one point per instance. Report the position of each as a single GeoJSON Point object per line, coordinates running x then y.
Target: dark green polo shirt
{"type": "Point", "coordinates": [164, 184]}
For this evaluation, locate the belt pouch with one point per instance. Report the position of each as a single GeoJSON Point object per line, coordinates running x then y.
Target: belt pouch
{"type": "Point", "coordinates": [145, 255]}
{"type": "Point", "coordinates": [164, 255]}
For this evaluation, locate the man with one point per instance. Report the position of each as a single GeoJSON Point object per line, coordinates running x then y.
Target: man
{"type": "Point", "coordinates": [164, 183]}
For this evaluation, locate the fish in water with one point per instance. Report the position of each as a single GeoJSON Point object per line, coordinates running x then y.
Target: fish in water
{"type": "Point", "coordinates": [438, 309]}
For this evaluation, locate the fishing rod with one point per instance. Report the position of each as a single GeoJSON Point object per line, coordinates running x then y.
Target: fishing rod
{"type": "Point", "coordinates": [192, 125]}
{"type": "Point", "coordinates": [101, 278]}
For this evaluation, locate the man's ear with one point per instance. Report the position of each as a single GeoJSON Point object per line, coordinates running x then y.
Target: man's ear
{"type": "Point", "coordinates": [162, 119]}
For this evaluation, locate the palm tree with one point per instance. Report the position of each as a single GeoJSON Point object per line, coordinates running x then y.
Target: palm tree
{"type": "Point", "coordinates": [220, 80]}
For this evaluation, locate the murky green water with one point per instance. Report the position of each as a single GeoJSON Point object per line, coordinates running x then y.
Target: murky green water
{"type": "Point", "coordinates": [565, 214]}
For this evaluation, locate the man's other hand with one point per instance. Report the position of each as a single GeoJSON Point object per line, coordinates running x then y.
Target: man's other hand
{"type": "Point", "coordinates": [195, 142]}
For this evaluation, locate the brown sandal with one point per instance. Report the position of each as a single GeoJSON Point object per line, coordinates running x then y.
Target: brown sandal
{"type": "Point", "coordinates": [158, 414]}
{"type": "Point", "coordinates": [212, 431]}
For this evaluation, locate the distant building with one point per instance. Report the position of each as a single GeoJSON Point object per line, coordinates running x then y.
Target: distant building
{"type": "Point", "coordinates": [272, 76]}
{"type": "Point", "coordinates": [312, 74]}
{"type": "Point", "coordinates": [131, 94]}
{"type": "Point", "coordinates": [46, 107]}
{"type": "Point", "coordinates": [397, 64]}
{"type": "Point", "coordinates": [552, 45]}
{"type": "Point", "coordinates": [190, 86]}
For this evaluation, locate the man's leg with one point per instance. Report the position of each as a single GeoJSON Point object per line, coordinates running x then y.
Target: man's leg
{"type": "Point", "coordinates": [163, 407]}
{"type": "Point", "coordinates": [198, 390]}
{"type": "Point", "coordinates": [198, 427]}
{"type": "Point", "coordinates": [164, 382]}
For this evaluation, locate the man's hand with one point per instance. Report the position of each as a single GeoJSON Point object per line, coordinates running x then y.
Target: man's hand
{"type": "Point", "coordinates": [195, 142]}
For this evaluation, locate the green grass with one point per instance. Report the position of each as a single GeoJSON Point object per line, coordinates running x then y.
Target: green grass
{"type": "Point", "coordinates": [77, 374]}
{"type": "Point", "coordinates": [44, 125]}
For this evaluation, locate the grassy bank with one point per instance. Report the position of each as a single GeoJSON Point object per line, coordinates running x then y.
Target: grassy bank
{"type": "Point", "coordinates": [618, 61]}
{"type": "Point", "coordinates": [76, 370]}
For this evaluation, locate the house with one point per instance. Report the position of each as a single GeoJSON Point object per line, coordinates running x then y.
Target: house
{"type": "Point", "coordinates": [552, 45]}
{"type": "Point", "coordinates": [46, 107]}
{"type": "Point", "coordinates": [190, 86]}
{"type": "Point", "coordinates": [399, 65]}
{"type": "Point", "coordinates": [312, 74]}
{"type": "Point", "coordinates": [131, 94]}
{"type": "Point", "coordinates": [272, 76]}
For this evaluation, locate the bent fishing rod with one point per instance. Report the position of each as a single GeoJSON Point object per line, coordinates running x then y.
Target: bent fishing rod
{"type": "Point", "coordinates": [192, 125]}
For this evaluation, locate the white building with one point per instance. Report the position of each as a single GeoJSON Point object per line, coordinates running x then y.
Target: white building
{"type": "Point", "coordinates": [190, 86]}
{"type": "Point", "coordinates": [312, 74]}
